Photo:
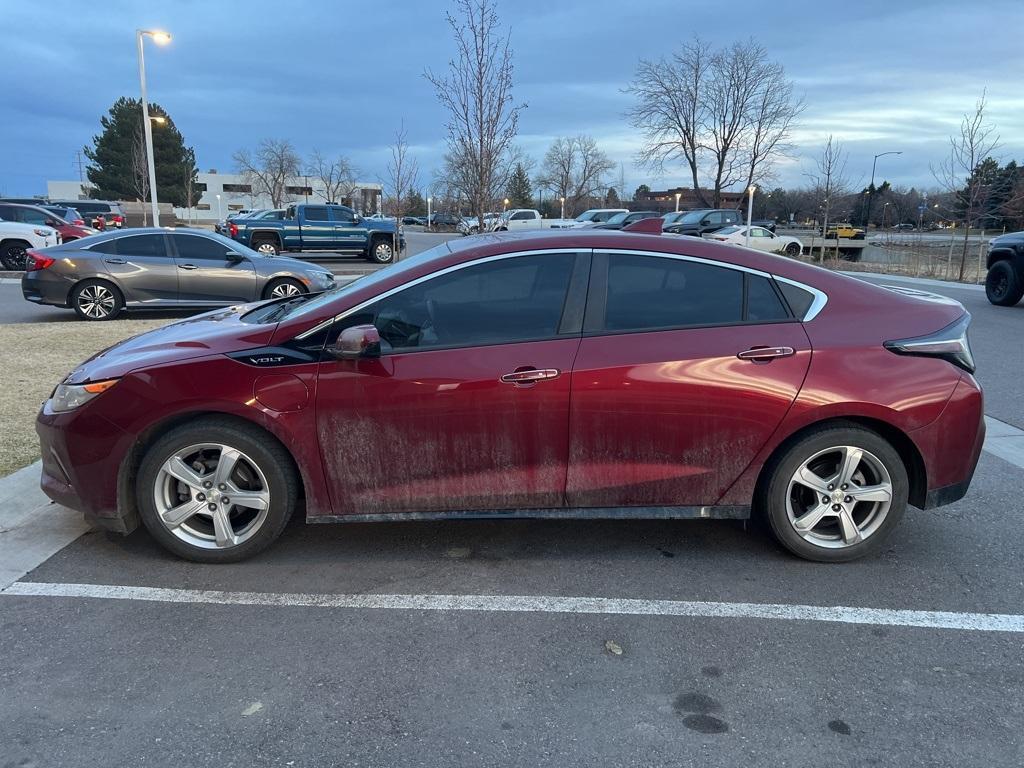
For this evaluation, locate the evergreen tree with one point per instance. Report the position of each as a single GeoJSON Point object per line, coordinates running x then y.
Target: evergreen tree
{"type": "Point", "coordinates": [111, 169]}
{"type": "Point", "coordinates": [611, 199]}
{"type": "Point", "coordinates": [643, 189]}
{"type": "Point", "coordinates": [520, 191]}
{"type": "Point", "coordinates": [415, 205]}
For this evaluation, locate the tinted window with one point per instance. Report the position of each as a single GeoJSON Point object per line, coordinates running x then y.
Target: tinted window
{"type": "Point", "coordinates": [196, 247]}
{"type": "Point", "coordinates": [763, 303]}
{"type": "Point", "coordinates": [716, 217]}
{"type": "Point", "coordinates": [33, 216]}
{"type": "Point", "coordinates": [317, 213]}
{"type": "Point", "coordinates": [141, 245]}
{"type": "Point", "coordinates": [647, 292]}
{"type": "Point", "coordinates": [798, 299]}
{"type": "Point", "coordinates": [503, 301]}
{"type": "Point", "coordinates": [105, 246]}
{"type": "Point", "coordinates": [522, 215]}
{"type": "Point", "coordinates": [343, 215]}
{"type": "Point", "coordinates": [7, 213]}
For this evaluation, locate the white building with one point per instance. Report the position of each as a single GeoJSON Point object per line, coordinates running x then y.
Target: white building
{"type": "Point", "coordinates": [223, 193]}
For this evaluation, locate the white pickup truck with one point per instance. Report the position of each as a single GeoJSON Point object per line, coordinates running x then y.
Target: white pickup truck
{"type": "Point", "coordinates": [518, 219]}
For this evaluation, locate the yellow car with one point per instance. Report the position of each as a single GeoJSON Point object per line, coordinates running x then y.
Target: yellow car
{"type": "Point", "coordinates": [847, 231]}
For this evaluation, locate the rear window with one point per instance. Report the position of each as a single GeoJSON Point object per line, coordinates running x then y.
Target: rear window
{"type": "Point", "coordinates": [316, 213]}
{"type": "Point", "coordinates": [763, 302]}
{"type": "Point", "coordinates": [799, 300]}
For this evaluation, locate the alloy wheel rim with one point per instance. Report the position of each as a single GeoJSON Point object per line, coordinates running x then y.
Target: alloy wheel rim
{"type": "Point", "coordinates": [212, 496]}
{"type": "Point", "coordinates": [96, 301]}
{"type": "Point", "coordinates": [839, 497]}
{"type": "Point", "coordinates": [267, 248]}
{"type": "Point", "coordinates": [284, 290]}
{"type": "Point", "coordinates": [1001, 286]}
{"type": "Point", "coordinates": [383, 252]}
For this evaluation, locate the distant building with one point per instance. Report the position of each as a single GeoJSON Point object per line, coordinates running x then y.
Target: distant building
{"type": "Point", "coordinates": [223, 193]}
{"type": "Point", "coordinates": [665, 200]}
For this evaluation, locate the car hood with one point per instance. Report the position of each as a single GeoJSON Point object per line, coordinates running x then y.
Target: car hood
{"type": "Point", "coordinates": [216, 332]}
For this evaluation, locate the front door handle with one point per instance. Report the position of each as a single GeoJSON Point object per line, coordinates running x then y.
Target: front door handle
{"type": "Point", "coordinates": [529, 376]}
{"type": "Point", "coordinates": [115, 261]}
{"type": "Point", "coordinates": [759, 354]}
{"type": "Point", "coordinates": [187, 266]}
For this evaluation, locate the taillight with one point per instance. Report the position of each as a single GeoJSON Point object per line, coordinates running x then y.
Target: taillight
{"type": "Point", "coordinates": [118, 218]}
{"type": "Point", "coordinates": [233, 229]}
{"type": "Point", "coordinates": [79, 222]}
{"type": "Point", "coordinates": [36, 261]}
{"type": "Point", "coordinates": [950, 344]}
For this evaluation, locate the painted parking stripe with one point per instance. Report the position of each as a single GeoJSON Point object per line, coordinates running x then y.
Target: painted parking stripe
{"type": "Point", "coordinates": [1005, 441]}
{"type": "Point", "coordinates": [972, 622]}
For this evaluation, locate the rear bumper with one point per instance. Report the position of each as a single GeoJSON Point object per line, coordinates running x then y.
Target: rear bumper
{"type": "Point", "coordinates": [45, 287]}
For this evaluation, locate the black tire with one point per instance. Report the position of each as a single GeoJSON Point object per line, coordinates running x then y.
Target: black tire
{"type": "Point", "coordinates": [96, 300]}
{"type": "Point", "coordinates": [382, 250]}
{"type": "Point", "coordinates": [266, 246]}
{"type": "Point", "coordinates": [272, 459]}
{"type": "Point", "coordinates": [793, 250]}
{"type": "Point", "coordinates": [14, 255]}
{"type": "Point", "coordinates": [281, 287]}
{"type": "Point", "coordinates": [1004, 287]}
{"type": "Point", "coordinates": [774, 490]}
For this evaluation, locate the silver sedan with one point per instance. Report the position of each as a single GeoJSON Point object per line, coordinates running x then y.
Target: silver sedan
{"type": "Point", "coordinates": [151, 268]}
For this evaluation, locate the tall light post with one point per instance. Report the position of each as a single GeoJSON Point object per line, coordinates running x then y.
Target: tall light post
{"type": "Point", "coordinates": [678, 195]}
{"type": "Point", "coordinates": [563, 208]}
{"type": "Point", "coordinates": [750, 210]}
{"type": "Point", "coordinates": [871, 187]}
{"type": "Point", "coordinates": [220, 211]}
{"type": "Point", "coordinates": [429, 222]}
{"type": "Point", "coordinates": [160, 38]}
{"type": "Point", "coordinates": [504, 205]}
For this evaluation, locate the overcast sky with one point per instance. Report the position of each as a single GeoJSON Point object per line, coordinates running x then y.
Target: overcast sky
{"type": "Point", "coordinates": [339, 76]}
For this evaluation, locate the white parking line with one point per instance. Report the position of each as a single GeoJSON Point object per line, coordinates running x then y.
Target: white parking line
{"type": "Point", "coordinates": [1005, 441]}
{"type": "Point", "coordinates": [971, 622]}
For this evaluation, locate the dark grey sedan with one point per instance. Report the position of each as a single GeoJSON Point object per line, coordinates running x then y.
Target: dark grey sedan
{"type": "Point", "coordinates": [102, 275]}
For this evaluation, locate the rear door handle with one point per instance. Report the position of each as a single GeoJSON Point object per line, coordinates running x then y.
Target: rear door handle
{"type": "Point", "coordinates": [115, 261]}
{"type": "Point", "coordinates": [765, 353]}
{"type": "Point", "coordinates": [187, 266]}
{"type": "Point", "coordinates": [528, 376]}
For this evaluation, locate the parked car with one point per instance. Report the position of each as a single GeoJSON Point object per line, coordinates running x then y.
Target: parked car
{"type": "Point", "coordinates": [45, 217]}
{"type": "Point", "coordinates": [620, 220]}
{"type": "Point", "coordinates": [582, 373]}
{"type": "Point", "coordinates": [414, 220]}
{"type": "Point", "coordinates": [521, 219]}
{"type": "Point", "coordinates": [760, 238]}
{"type": "Point", "coordinates": [98, 214]}
{"type": "Point", "coordinates": [222, 226]}
{"type": "Point", "coordinates": [904, 227]}
{"type": "Point", "coordinates": [844, 231]}
{"type": "Point", "coordinates": [70, 215]}
{"type": "Point", "coordinates": [597, 216]}
{"type": "Point", "coordinates": [150, 268]}
{"type": "Point", "coordinates": [16, 239]}
{"type": "Point", "coordinates": [26, 200]}
{"type": "Point", "coordinates": [702, 221]}
{"type": "Point", "coordinates": [1004, 281]}
{"type": "Point", "coordinates": [668, 219]}
{"type": "Point", "coordinates": [314, 227]}
{"type": "Point", "coordinates": [444, 220]}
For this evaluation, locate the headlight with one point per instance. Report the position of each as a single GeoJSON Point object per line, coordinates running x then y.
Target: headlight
{"type": "Point", "coordinates": [45, 232]}
{"type": "Point", "coordinates": [323, 279]}
{"type": "Point", "coordinates": [67, 397]}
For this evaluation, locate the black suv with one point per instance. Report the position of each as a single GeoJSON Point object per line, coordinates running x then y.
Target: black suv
{"type": "Point", "coordinates": [1004, 284]}
{"type": "Point", "coordinates": [620, 220]}
{"type": "Point", "coordinates": [700, 222]}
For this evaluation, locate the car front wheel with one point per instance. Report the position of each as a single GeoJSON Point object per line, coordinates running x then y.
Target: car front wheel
{"type": "Point", "coordinates": [216, 491]}
{"type": "Point", "coordinates": [836, 494]}
{"type": "Point", "coordinates": [283, 288]}
{"type": "Point", "coordinates": [1003, 286]}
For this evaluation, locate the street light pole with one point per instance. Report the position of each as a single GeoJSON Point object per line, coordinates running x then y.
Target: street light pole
{"type": "Point", "coordinates": [871, 187]}
{"type": "Point", "coordinates": [429, 222]}
{"type": "Point", "coordinates": [563, 208]}
{"type": "Point", "coordinates": [678, 194]}
{"type": "Point", "coordinates": [750, 210]}
{"type": "Point", "coordinates": [161, 38]}
{"type": "Point", "coordinates": [220, 210]}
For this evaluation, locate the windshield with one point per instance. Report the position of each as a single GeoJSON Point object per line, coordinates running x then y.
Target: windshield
{"type": "Point", "coordinates": [586, 216]}
{"type": "Point", "coordinates": [337, 292]}
{"type": "Point", "coordinates": [692, 217]}
{"type": "Point", "coordinates": [618, 218]}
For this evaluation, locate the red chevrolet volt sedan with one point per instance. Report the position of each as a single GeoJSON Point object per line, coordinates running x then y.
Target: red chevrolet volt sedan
{"type": "Point", "coordinates": [585, 374]}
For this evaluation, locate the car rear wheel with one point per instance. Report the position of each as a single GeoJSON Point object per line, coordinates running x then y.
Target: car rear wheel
{"type": "Point", "coordinates": [1003, 286]}
{"type": "Point", "coordinates": [216, 491]}
{"type": "Point", "coordinates": [836, 494]}
{"type": "Point", "coordinates": [382, 251]}
{"type": "Point", "coordinates": [96, 300]}
{"type": "Point", "coordinates": [283, 288]}
{"type": "Point", "coordinates": [793, 250]}
{"type": "Point", "coordinates": [13, 256]}
{"type": "Point", "coordinates": [267, 247]}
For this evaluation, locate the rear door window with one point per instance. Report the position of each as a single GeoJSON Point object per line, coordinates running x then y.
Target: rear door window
{"type": "Point", "coordinates": [142, 245]}
{"type": "Point", "coordinates": [317, 213]}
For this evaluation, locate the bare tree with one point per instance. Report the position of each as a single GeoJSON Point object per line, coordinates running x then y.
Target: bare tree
{"type": "Point", "coordinates": [477, 93]}
{"type": "Point", "coordinates": [140, 172]}
{"type": "Point", "coordinates": [975, 141]}
{"type": "Point", "coordinates": [726, 114]}
{"type": "Point", "coordinates": [403, 172]}
{"type": "Point", "coordinates": [337, 175]}
{"type": "Point", "coordinates": [269, 170]}
{"type": "Point", "coordinates": [830, 181]}
{"type": "Point", "coordinates": [575, 168]}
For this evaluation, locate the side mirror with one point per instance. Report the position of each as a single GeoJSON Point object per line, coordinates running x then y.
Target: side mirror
{"type": "Point", "coordinates": [234, 257]}
{"type": "Point", "coordinates": [705, 221]}
{"type": "Point", "coordinates": [356, 218]}
{"type": "Point", "coordinates": [357, 341]}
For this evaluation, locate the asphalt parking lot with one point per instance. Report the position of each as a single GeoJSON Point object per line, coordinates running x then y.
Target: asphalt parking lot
{"type": "Point", "coordinates": [628, 643]}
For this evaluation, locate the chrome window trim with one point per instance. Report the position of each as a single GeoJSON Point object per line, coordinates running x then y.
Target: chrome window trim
{"type": "Point", "coordinates": [447, 270]}
{"type": "Point", "coordinates": [683, 257]}
{"type": "Point", "coordinates": [819, 302]}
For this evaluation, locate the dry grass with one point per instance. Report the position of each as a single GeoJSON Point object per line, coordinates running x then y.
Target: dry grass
{"type": "Point", "coordinates": [34, 358]}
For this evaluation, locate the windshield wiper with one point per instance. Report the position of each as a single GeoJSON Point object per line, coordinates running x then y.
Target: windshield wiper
{"type": "Point", "coordinates": [282, 309]}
